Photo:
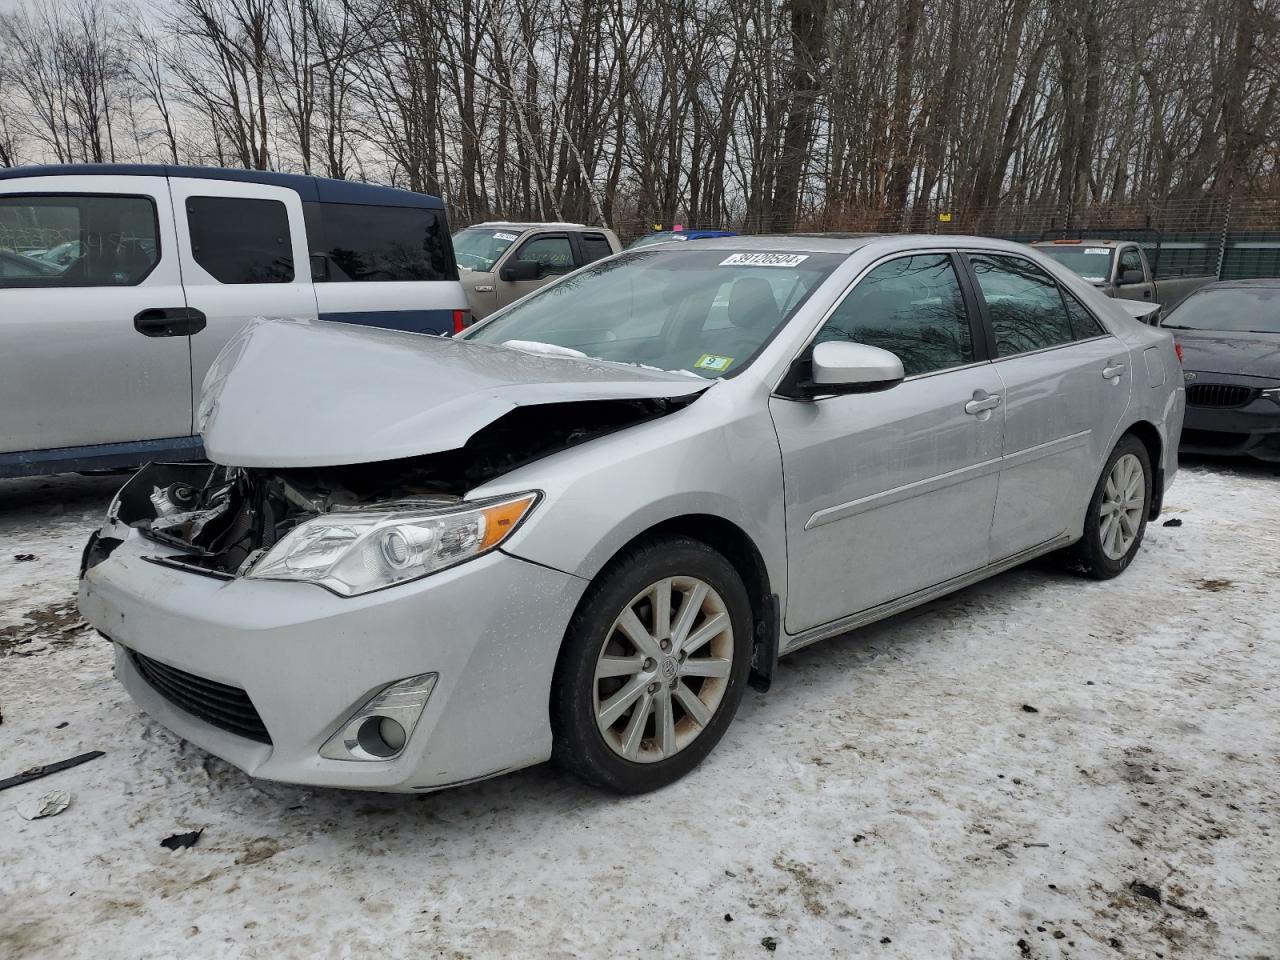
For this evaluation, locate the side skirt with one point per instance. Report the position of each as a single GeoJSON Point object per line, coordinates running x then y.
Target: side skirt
{"type": "Point", "coordinates": [891, 607]}
{"type": "Point", "coordinates": [98, 456]}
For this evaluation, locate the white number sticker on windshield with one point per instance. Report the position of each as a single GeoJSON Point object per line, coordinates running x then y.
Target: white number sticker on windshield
{"type": "Point", "coordinates": [764, 260]}
{"type": "Point", "coordinates": [505, 236]}
{"type": "Point", "coordinates": [1097, 251]}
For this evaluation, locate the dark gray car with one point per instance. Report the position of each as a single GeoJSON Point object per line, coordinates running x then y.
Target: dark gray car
{"type": "Point", "coordinates": [1229, 334]}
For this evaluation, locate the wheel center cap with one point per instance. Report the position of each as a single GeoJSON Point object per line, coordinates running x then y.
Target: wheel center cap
{"type": "Point", "coordinates": [669, 668]}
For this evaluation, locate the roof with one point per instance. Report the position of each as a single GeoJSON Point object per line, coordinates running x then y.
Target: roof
{"type": "Point", "coordinates": [309, 188]}
{"type": "Point", "coordinates": [1270, 282]}
{"type": "Point", "coordinates": [527, 225]}
{"type": "Point", "coordinates": [808, 242]}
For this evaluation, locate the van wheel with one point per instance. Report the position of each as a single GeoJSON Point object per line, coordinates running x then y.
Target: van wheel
{"type": "Point", "coordinates": [1117, 517]}
{"type": "Point", "coordinates": [653, 667]}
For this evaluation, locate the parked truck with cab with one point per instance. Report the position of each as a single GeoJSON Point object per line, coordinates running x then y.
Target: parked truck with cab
{"type": "Point", "coordinates": [1120, 268]}
{"type": "Point", "coordinates": [501, 261]}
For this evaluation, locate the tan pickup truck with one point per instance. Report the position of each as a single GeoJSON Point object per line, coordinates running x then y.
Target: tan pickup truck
{"type": "Point", "coordinates": [1121, 270]}
{"type": "Point", "coordinates": [499, 262]}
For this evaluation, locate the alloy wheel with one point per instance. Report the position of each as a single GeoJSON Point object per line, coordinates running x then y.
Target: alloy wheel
{"type": "Point", "coordinates": [1123, 500]}
{"type": "Point", "coordinates": [663, 669]}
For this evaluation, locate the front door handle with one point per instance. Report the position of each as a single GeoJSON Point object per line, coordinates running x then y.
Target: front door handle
{"type": "Point", "coordinates": [1113, 369]}
{"type": "Point", "coordinates": [169, 322]}
{"type": "Point", "coordinates": [981, 403]}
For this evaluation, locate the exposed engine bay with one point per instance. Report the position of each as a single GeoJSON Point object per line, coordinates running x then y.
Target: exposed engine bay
{"type": "Point", "coordinates": [223, 518]}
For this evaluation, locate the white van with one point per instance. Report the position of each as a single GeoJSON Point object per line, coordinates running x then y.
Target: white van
{"type": "Point", "coordinates": [119, 284]}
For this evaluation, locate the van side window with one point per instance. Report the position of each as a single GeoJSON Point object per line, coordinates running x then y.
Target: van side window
{"type": "Point", "coordinates": [366, 244]}
{"type": "Point", "coordinates": [594, 247]}
{"type": "Point", "coordinates": [912, 307]}
{"type": "Point", "coordinates": [66, 240]}
{"type": "Point", "coordinates": [241, 240]}
{"type": "Point", "coordinates": [1026, 308]}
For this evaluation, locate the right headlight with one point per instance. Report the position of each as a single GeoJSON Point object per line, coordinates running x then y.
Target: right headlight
{"type": "Point", "coordinates": [354, 553]}
{"type": "Point", "coordinates": [1272, 393]}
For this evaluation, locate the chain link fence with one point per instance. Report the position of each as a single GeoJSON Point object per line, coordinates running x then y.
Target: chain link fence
{"type": "Point", "coordinates": [1231, 238]}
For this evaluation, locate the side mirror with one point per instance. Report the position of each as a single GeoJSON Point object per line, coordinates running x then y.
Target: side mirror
{"type": "Point", "coordinates": [1129, 277]}
{"type": "Point", "coordinates": [521, 270]}
{"type": "Point", "coordinates": [840, 368]}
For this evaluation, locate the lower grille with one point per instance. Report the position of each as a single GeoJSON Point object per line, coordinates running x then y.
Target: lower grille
{"type": "Point", "coordinates": [1219, 395]}
{"type": "Point", "coordinates": [228, 708]}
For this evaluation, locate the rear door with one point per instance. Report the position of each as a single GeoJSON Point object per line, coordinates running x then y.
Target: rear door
{"type": "Point", "coordinates": [1066, 384]}
{"type": "Point", "coordinates": [244, 255]}
{"type": "Point", "coordinates": [892, 492]}
{"type": "Point", "coordinates": [87, 355]}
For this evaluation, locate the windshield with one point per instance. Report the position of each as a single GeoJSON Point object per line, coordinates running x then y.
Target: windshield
{"type": "Point", "coordinates": [1238, 309]}
{"type": "Point", "coordinates": [701, 311]}
{"type": "Point", "coordinates": [478, 248]}
{"type": "Point", "coordinates": [653, 238]}
{"type": "Point", "coordinates": [1092, 263]}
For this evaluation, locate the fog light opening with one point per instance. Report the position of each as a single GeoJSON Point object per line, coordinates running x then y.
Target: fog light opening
{"type": "Point", "coordinates": [380, 737]}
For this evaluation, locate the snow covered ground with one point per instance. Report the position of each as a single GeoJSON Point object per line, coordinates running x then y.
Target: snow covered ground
{"type": "Point", "coordinates": [1019, 770]}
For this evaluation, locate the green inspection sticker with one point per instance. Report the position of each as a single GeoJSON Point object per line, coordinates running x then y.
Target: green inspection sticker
{"type": "Point", "coordinates": [709, 361]}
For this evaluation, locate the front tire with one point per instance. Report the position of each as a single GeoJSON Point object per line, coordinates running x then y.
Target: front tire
{"type": "Point", "coordinates": [1117, 517]}
{"type": "Point", "coordinates": [653, 666]}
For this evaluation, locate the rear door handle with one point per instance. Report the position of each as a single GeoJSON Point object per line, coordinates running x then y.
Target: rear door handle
{"type": "Point", "coordinates": [982, 404]}
{"type": "Point", "coordinates": [1113, 369]}
{"type": "Point", "coordinates": [169, 322]}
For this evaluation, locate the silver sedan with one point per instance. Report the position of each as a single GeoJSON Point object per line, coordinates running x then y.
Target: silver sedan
{"type": "Point", "coordinates": [580, 530]}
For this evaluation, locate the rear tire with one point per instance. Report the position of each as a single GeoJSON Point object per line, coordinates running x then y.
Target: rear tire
{"type": "Point", "coordinates": [1117, 516]}
{"type": "Point", "coordinates": [653, 666]}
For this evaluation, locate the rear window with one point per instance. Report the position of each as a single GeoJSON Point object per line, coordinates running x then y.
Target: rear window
{"type": "Point", "coordinates": [241, 240]}
{"type": "Point", "coordinates": [1091, 263]}
{"type": "Point", "coordinates": [595, 246]}
{"type": "Point", "coordinates": [70, 240]}
{"type": "Point", "coordinates": [365, 244]}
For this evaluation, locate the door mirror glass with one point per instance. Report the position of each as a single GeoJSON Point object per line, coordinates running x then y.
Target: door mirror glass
{"type": "Point", "coordinates": [521, 270]}
{"type": "Point", "coordinates": [1128, 277]}
{"type": "Point", "coordinates": [853, 368]}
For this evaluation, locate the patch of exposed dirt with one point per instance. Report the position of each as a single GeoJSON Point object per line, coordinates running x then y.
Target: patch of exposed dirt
{"type": "Point", "coordinates": [57, 623]}
{"type": "Point", "coordinates": [1214, 585]}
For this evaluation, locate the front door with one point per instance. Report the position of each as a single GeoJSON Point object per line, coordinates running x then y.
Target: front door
{"type": "Point", "coordinates": [552, 252]}
{"type": "Point", "coordinates": [87, 263]}
{"type": "Point", "coordinates": [1066, 384]}
{"type": "Point", "coordinates": [244, 255]}
{"type": "Point", "coordinates": [892, 492]}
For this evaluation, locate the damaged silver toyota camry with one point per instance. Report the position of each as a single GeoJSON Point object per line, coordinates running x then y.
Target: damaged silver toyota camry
{"type": "Point", "coordinates": [580, 529]}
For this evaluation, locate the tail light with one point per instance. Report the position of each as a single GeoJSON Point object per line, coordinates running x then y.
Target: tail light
{"type": "Point", "coordinates": [461, 320]}
{"type": "Point", "coordinates": [1177, 348]}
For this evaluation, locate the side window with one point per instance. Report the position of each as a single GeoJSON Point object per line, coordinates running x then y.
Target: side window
{"type": "Point", "coordinates": [241, 240]}
{"type": "Point", "coordinates": [552, 254]}
{"type": "Point", "coordinates": [1026, 309]}
{"type": "Point", "coordinates": [911, 307]}
{"type": "Point", "coordinates": [365, 244]}
{"type": "Point", "coordinates": [1130, 260]}
{"type": "Point", "coordinates": [67, 240]}
{"type": "Point", "coordinates": [1084, 324]}
{"type": "Point", "coordinates": [594, 247]}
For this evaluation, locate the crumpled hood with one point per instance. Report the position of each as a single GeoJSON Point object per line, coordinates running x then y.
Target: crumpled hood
{"type": "Point", "coordinates": [1213, 351]}
{"type": "Point", "coordinates": [290, 393]}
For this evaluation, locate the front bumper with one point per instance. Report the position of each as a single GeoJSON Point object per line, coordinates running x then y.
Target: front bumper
{"type": "Point", "coordinates": [308, 659]}
{"type": "Point", "coordinates": [1251, 430]}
